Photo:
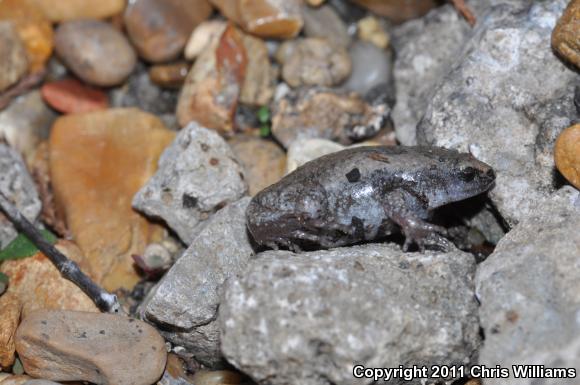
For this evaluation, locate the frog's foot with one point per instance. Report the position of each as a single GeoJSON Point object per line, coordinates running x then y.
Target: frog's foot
{"type": "Point", "coordinates": [424, 234]}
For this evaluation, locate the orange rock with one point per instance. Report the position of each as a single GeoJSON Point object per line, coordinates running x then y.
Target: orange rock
{"type": "Point", "coordinates": [398, 10]}
{"type": "Point", "coordinates": [60, 10]}
{"type": "Point", "coordinates": [567, 154]}
{"type": "Point", "coordinates": [71, 96]}
{"type": "Point", "coordinates": [212, 88]}
{"type": "Point", "coordinates": [265, 18]}
{"type": "Point", "coordinates": [565, 38]}
{"type": "Point", "coordinates": [34, 29]}
{"type": "Point", "coordinates": [34, 283]}
{"type": "Point", "coordinates": [98, 161]}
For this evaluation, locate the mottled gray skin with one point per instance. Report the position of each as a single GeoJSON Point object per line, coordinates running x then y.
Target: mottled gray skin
{"type": "Point", "coordinates": [363, 193]}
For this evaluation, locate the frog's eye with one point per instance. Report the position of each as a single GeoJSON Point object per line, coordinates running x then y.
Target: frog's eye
{"type": "Point", "coordinates": [467, 174]}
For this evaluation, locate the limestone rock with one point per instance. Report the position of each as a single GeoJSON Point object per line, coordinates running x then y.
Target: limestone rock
{"type": "Point", "coordinates": [98, 348]}
{"type": "Point", "coordinates": [309, 318]}
{"type": "Point", "coordinates": [17, 185]}
{"type": "Point", "coordinates": [185, 303]}
{"type": "Point", "coordinates": [113, 154]}
{"type": "Point", "coordinates": [198, 174]}
{"type": "Point", "coordinates": [529, 290]}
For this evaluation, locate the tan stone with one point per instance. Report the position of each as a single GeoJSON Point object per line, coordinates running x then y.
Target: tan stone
{"type": "Point", "coordinates": [263, 160]}
{"type": "Point", "coordinates": [14, 63]}
{"type": "Point", "coordinates": [34, 29]}
{"type": "Point", "coordinates": [60, 10]}
{"type": "Point", "coordinates": [34, 283]}
{"type": "Point", "coordinates": [212, 88]}
{"type": "Point", "coordinates": [260, 78]}
{"type": "Point", "coordinates": [566, 35]}
{"type": "Point", "coordinates": [567, 154]}
{"type": "Point", "coordinates": [99, 348]}
{"type": "Point", "coordinates": [265, 18]}
{"type": "Point", "coordinates": [16, 380]}
{"type": "Point", "coordinates": [98, 161]}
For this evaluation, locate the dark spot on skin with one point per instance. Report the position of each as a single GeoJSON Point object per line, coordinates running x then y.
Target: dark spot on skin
{"type": "Point", "coordinates": [83, 335]}
{"type": "Point", "coordinates": [353, 175]}
{"type": "Point", "coordinates": [214, 161]}
{"type": "Point", "coordinates": [512, 316]}
{"type": "Point", "coordinates": [97, 371]}
{"type": "Point", "coordinates": [154, 348]}
{"type": "Point", "coordinates": [358, 266]}
{"type": "Point", "coordinates": [221, 205]}
{"type": "Point", "coordinates": [44, 322]}
{"type": "Point", "coordinates": [131, 320]}
{"type": "Point", "coordinates": [45, 336]}
{"type": "Point", "coordinates": [241, 176]}
{"type": "Point", "coordinates": [359, 227]}
{"type": "Point", "coordinates": [204, 147]}
{"type": "Point", "coordinates": [188, 201]}
{"type": "Point", "coordinates": [140, 331]}
{"type": "Point", "coordinates": [379, 157]}
{"type": "Point", "coordinates": [102, 332]}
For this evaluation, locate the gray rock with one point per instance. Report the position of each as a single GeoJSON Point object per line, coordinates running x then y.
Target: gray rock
{"type": "Point", "coordinates": [186, 300]}
{"type": "Point", "coordinates": [529, 290]}
{"type": "Point", "coordinates": [17, 185]}
{"type": "Point", "coordinates": [324, 22]}
{"type": "Point", "coordinates": [309, 318]}
{"type": "Point", "coordinates": [488, 104]}
{"type": "Point", "coordinates": [198, 174]}
{"type": "Point", "coordinates": [26, 122]}
{"type": "Point", "coordinates": [371, 67]}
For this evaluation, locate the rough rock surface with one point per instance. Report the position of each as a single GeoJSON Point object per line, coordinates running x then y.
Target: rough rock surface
{"type": "Point", "coordinates": [98, 348]}
{"type": "Point", "coordinates": [529, 290]}
{"type": "Point", "coordinates": [187, 298]}
{"type": "Point", "coordinates": [98, 161]}
{"type": "Point", "coordinates": [491, 103]}
{"type": "Point", "coordinates": [14, 63]}
{"type": "Point", "coordinates": [198, 174]}
{"type": "Point", "coordinates": [17, 185]}
{"type": "Point", "coordinates": [309, 318]}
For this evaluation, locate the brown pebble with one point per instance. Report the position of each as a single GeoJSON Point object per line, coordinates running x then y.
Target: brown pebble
{"type": "Point", "coordinates": [71, 96]}
{"type": "Point", "coordinates": [169, 75]}
{"type": "Point", "coordinates": [95, 51]}
{"type": "Point", "coordinates": [565, 37]}
{"type": "Point", "coordinates": [399, 10]}
{"type": "Point", "coordinates": [567, 154]}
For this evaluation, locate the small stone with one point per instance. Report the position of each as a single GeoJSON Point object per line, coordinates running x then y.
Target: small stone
{"type": "Point", "coordinates": [203, 37]}
{"type": "Point", "coordinates": [35, 283]}
{"type": "Point", "coordinates": [17, 185]}
{"type": "Point", "coordinates": [70, 96]}
{"type": "Point", "coordinates": [260, 78]}
{"type": "Point", "coordinates": [218, 377]}
{"type": "Point", "coordinates": [40, 382]}
{"type": "Point", "coordinates": [169, 75]}
{"type": "Point", "coordinates": [567, 154]}
{"type": "Point", "coordinates": [372, 68]}
{"type": "Point", "coordinates": [314, 3]}
{"type": "Point", "coordinates": [279, 19]}
{"type": "Point", "coordinates": [34, 29]}
{"type": "Point", "coordinates": [198, 174]}
{"type": "Point", "coordinates": [399, 10]}
{"type": "Point", "coordinates": [98, 348]}
{"type": "Point", "coordinates": [370, 29]}
{"type": "Point", "coordinates": [160, 28]}
{"type": "Point", "coordinates": [26, 122]}
{"type": "Point", "coordinates": [213, 86]}
{"type": "Point", "coordinates": [529, 290]}
{"type": "Point", "coordinates": [313, 61]}
{"type": "Point", "coordinates": [188, 297]}
{"type": "Point", "coordinates": [95, 51]}
{"type": "Point", "coordinates": [324, 22]}
{"type": "Point", "coordinates": [13, 63]}
{"type": "Point", "coordinates": [263, 160]}
{"type": "Point", "coordinates": [565, 36]}
{"type": "Point", "coordinates": [91, 182]}
{"type": "Point", "coordinates": [327, 114]}
{"type": "Point", "coordinates": [289, 315]}
{"type": "Point", "coordinates": [15, 380]}
{"type": "Point", "coordinates": [62, 10]}
{"type": "Point", "coordinates": [302, 151]}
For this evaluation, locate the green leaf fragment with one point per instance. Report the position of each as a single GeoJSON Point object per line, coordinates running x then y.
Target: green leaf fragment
{"type": "Point", "coordinates": [3, 279]}
{"type": "Point", "coordinates": [264, 115]}
{"type": "Point", "coordinates": [21, 247]}
{"type": "Point", "coordinates": [265, 131]}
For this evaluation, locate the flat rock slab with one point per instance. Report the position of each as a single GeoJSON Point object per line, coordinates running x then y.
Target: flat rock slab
{"type": "Point", "coordinates": [495, 100]}
{"type": "Point", "coordinates": [309, 318]}
{"type": "Point", "coordinates": [187, 298]}
{"type": "Point", "coordinates": [198, 174]}
{"type": "Point", "coordinates": [529, 290]}
{"type": "Point", "coordinates": [98, 348]}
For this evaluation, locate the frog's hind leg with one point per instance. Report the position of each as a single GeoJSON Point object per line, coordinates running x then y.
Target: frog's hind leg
{"type": "Point", "coordinates": [415, 229]}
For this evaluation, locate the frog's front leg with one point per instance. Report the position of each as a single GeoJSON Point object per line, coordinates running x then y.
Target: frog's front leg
{"type": "Point", "coordinates": [415, 229]}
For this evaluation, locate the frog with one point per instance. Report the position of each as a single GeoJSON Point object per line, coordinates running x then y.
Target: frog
{"type": "Point", "coordinates": [365, 193]}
